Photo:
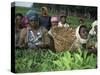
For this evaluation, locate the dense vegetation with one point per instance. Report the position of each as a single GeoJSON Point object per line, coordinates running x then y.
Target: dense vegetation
{"type": "Point", "coordinates": [48, 60]}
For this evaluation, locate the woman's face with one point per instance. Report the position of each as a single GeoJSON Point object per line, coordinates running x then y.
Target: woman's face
{"type": "Point", "coordinates": [81, 22]}
{"type": "Point", "coordinates": [54, 24]}
{"type": "Point", "coordinates": [44, 12]}
{"type": "Point", "coordinates": [18, 19]}
{"type": "Point", "coordinates": [63, 19]}
{"type": "Point", "coordinates": [83, 33]}
{"type": "Point", "coordinates": [33, 23]}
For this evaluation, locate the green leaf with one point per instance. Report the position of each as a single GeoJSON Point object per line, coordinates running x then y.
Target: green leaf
{"type": "Point", "coordinates": [29, 63]}
{"type": "Point", "coordinates": [85, 54]}
{"type": "Point", "coordinates": [78, 59]}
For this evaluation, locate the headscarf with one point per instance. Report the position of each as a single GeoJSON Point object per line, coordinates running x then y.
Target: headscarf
{"type": "Point", "coordinates": [25, 21]}
{"type": "Point", "coordinates": [92, 31]}
{"type": "Point", "coordinates": [78, 37]}
{"type": "Point", "coordinates": [32, 15]}
{"type": "Point", "coordinates": [54, 19]}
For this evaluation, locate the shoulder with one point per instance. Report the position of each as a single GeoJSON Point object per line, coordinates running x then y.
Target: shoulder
{"type": "Point", "coordinates": [59, 24]}
{"type": "Point", "coordinates": [66, 25]}
{"type": "Point", "coordinates": [24, 31]}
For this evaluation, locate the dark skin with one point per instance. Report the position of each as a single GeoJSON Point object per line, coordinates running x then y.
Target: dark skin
{"type": "Point", "coordinates": [34, 24]}
{"type": "Point", "coordinates": [44, 12]}
{"type": "Point", "coordinates": [83, 33]}
{"type": "Point", "coordinates": [81, 22]}
{"type": "Point", "coordinates": [18, 24]}
{"type": "Point", "coordinates": [18, 19]}
{"type": "Point", "coordinates": [54, 24]}
{"type": "Point", "coordinates": [46, 39]}
{"type": "Point", "coordinates": [18, 27]}
{"type": "Point", "coordinates": [63, 19]}
{"type": "Point", "coordinates": [91, 47]}
{"type": "Point", "coordinates": [23, 34]}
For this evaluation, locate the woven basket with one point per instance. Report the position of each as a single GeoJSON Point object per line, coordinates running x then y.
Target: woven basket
{"type": "Point", "coordinates": [63, 38]}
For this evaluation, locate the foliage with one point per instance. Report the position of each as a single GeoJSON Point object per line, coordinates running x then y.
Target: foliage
{"type": "Point", "coordinates": [47, 60]}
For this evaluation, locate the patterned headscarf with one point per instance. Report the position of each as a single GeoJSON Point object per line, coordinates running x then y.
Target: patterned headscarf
{"type": "Point", "coordinates": [25, 21]}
